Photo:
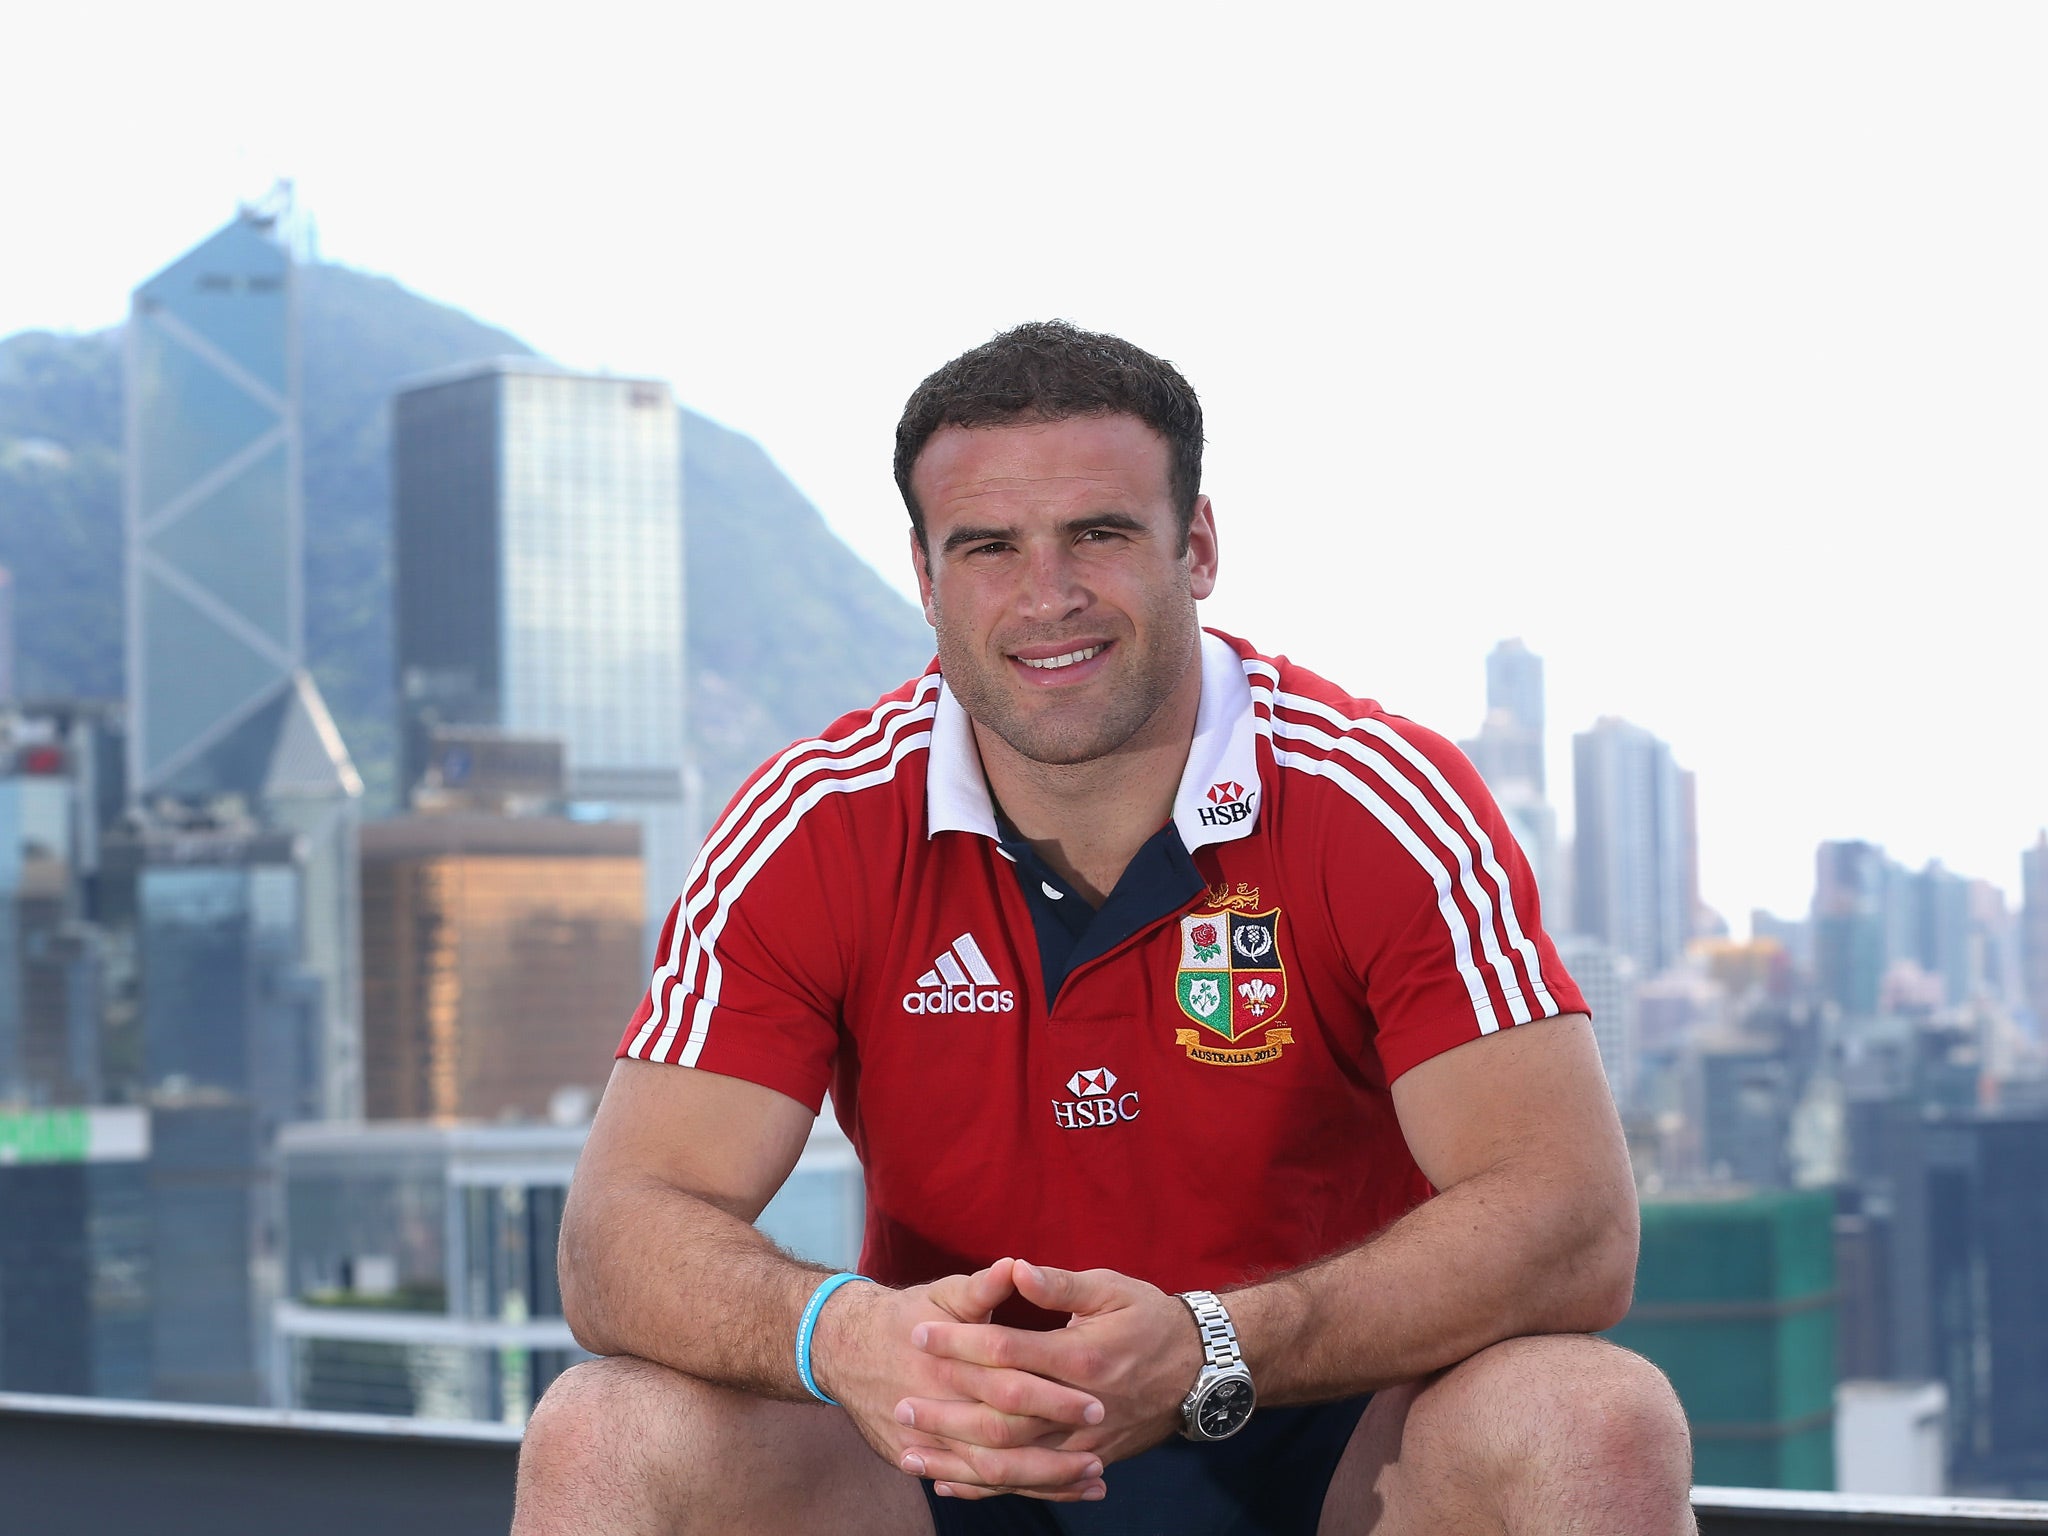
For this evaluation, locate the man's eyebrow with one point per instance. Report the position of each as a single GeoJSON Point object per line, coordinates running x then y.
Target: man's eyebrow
{"type": "Point", "coordinates": [959, 538]}
{"type": "Point", "coordinates": [1123, 522]}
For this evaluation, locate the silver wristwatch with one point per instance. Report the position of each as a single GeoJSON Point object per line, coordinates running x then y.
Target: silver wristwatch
{"type": "Point", "coordinates": [1222, 1398]}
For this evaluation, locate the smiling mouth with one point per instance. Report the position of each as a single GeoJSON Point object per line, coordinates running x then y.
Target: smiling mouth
{"type": "Point", "coordinates": [1054, 663]}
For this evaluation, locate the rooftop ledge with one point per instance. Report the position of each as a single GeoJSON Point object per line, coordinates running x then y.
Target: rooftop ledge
{"type": "Point", "coordinates": [80, 1466]}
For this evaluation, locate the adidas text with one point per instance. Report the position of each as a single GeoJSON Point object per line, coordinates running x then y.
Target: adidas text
{"type": "Point", "coordinates": [961, 1000]}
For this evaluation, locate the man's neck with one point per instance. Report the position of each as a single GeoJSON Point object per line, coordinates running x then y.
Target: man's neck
{"type": "Point", "coordinates": [1087, 820]}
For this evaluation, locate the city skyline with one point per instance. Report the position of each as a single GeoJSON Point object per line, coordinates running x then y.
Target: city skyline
{"type": "Point", "coordinates": [1508, 329]}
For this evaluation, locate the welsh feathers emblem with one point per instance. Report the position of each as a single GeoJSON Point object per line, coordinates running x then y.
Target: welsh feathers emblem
{"type": "Point", "coordinates": [1231, 979]}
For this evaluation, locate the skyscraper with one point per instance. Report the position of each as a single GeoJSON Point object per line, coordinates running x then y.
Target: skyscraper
{"type": "Point", "coordinates": [2034, 928]}
{"type": "Point", "coordinates": [1852, 885]}
{"type": "Point", "coordinates": [215, 591]}
{"type": "Point", "coordinates": [1509, 747]}
{"type": "Point", "coordinates": [74, 1251]}
{"type": "Point", "coordinates": [1608, 980]}
{"type": "Point", "coordinates": [1631, 862]}
{"type": "Point", "coordinates": [1508, 752]}
{"type": "Point", "coordinates": [1514, 691]}
{"type": "Point", "coordinates": [1968, 1245]}
{"type": "Point", "coordinates": [539, 584]}
{"type": "Point", "coordinates": [502, 958]}
{"type": "Point", "coordinates": [220, 701]}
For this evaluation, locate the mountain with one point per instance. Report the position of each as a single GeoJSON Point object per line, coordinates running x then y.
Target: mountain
{"type": "Point", "coordinates": [787, 628]}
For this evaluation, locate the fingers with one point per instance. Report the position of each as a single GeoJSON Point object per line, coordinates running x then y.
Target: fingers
{"type": "Point", "coordinates": [1069, 1290]}
{"type": "Point", "coordinates": [970, 1471]}
{"type": "Point", "coordinates": [983, 1423]}
{"type": "Point", "coordinates": [1064, 1356]}
{"type": "Point", "coordinates": [971, 1298]}
{"type": "Point", "coordinates": [1073, 1494]}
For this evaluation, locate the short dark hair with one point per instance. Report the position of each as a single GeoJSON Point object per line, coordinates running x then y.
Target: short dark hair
{"type": "Point", "coordinates": [1051, 370]}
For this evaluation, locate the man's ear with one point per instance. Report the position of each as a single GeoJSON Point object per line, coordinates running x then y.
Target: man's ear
{"type": "Point", "coordinates": [922, 566]}
{"type": "Point", "coordinates": [1202, 549]}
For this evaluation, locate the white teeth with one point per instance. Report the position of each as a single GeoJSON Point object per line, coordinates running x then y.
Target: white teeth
{"type": "Point", "coordinates": [1053, 662]}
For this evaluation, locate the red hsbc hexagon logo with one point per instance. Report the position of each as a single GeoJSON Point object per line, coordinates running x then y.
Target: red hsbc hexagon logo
{"type": "Point", "coordinates": [1229, 802]}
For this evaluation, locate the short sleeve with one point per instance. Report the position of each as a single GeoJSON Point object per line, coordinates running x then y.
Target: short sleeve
{"type": "Point", "coordinates": [1434, 901]}
{"type": "Point", "coordinates": [748, 976]}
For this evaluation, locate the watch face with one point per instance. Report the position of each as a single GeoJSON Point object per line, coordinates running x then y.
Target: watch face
{"type": "Point", "coordinates": [1225, 1408]}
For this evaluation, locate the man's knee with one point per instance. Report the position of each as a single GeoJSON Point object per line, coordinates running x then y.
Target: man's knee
{"type": "Point", "coordinates": [648, 1448]}
{"type": "Point", "coordinates": [621, 1419]}
{"type": "Point", "coordinates": [1575, 1405]}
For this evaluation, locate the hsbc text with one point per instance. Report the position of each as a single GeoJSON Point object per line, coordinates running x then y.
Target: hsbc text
{"type": "Point", "coordinates": [1105, 1111]}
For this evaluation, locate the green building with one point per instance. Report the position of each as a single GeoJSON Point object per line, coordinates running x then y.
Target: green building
{"type": "Point", "coordinates": [1735, 1301]}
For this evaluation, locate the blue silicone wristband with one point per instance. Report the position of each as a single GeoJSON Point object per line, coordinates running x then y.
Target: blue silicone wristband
{"type": "Point", "coordinates": [810, 1320]}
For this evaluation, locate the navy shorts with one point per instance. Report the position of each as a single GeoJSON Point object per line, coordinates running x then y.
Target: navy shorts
{"type": "Point", "coordinates": [1268, 1479]}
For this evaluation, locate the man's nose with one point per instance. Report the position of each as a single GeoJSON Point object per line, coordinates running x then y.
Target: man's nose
{"type": "Point", "coordinates": [1053, 586]}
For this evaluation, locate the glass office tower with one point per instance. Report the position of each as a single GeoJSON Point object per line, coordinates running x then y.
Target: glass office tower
{"type": "Point", "coordinates": [220, 701]}
{"type": "Point", "coordinates": [214, 567]}
{"type": "Point", "coordinates": [539, 584]}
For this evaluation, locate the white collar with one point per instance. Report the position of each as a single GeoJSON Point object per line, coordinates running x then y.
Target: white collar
{"type": "Point", "coordinates": [1222, 771]}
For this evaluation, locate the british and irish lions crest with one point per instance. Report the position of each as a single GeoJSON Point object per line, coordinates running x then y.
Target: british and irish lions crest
{"type": "Point", "coordinates": [1233, 984]}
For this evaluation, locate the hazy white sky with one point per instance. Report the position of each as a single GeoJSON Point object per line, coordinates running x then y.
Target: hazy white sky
{"type": "Point", "coordinates": [1705, 347]}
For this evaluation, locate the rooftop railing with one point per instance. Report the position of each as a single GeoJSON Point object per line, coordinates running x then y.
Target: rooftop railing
{"type": "Point", "coordinates": [86, 1466]}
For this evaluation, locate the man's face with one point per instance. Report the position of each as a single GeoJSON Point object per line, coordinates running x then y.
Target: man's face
{"type": "Point", "coordinates": [1064, 605]}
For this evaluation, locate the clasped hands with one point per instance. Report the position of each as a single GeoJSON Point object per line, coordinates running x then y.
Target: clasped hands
{"type": "Point", "coordinates": [941, 1392]}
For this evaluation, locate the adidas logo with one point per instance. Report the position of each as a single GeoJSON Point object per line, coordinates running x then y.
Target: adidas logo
{"type": "Point", "coordinates": [960, 981]}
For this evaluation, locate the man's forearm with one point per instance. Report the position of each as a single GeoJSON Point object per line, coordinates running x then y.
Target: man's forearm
{"type": "Point", "coordinates": [1511, 1252]}
{"type": "Point", "coordinates": [649, 1270]}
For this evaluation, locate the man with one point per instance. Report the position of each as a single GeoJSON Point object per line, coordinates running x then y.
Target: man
{"type": "Point", "coordinates": [1167, 993]}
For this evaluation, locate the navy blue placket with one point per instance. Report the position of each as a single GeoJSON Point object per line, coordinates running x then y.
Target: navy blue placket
{"type": "Point", "coordinates": [1160, 879]}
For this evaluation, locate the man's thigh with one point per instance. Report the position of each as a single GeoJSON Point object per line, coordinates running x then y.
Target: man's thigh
{"type": "Point", "coordinates": [1552, 1433]}
{"type": "Point", "coordinates": [634, 1449]}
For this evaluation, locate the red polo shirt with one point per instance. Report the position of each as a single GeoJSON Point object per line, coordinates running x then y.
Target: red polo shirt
{"type": "Point", "coordinates": [1203, 1101]}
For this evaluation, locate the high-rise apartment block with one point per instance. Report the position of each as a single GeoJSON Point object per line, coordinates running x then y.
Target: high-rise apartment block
{"type": "Point", "coordinates": [1632, 862]}
{"type": "Point", "coordinates": [1735, 1302]}
{"type": "Point", "coordinates": [221, 706]}
{"type": "Point", "coordinates": [502, 957]}
{"type": "Point", "coordinates": [539, 590]}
